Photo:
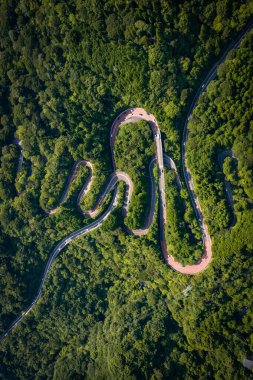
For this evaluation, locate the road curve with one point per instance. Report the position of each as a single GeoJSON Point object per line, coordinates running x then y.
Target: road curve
{"type": "Point", "coordinates": [128, 116]}
{"type": "Point", "coordinates": [71, 177]}
{"type": "Point", "coordinates": [62, 244]}
{"type": "Point", "coordinates": [133, 115]}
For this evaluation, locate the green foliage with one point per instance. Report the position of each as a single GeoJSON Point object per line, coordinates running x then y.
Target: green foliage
{"type": "Point", "coordinates": [111, 308]}
{"type": "Point", "coordinates": [8, 171]}
{"type": "Point", "coordinates": [134, 149]}
{"type": "Point", "coordinates": [181, 236]}
{"type": "Point", "coordinates": [221, 121]}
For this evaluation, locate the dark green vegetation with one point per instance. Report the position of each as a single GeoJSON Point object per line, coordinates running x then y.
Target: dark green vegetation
{"type": "Point", "coordinates": [223, 120]}
{"type": "Point", "coordinates": [182, 229]}
{"type": "Point", "coordinates": [8, 171]}
{"type": "Point", "coordinates": [111, 307]}
{"type": "Point", "coordinates": [134, 149]}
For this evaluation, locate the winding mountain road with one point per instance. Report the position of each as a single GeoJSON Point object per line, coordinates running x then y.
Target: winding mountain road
{"type": "Point", "coordinates": [133, 115]}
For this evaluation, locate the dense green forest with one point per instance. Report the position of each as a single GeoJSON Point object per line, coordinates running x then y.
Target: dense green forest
{"type": "Point", "coordinates": [111, 307]}
{"type": "Point", "coordinates": [134, 149]}
{"type": "Point", "coordinates": [222, 121]}
{"type": "Point", "coordinates": [182, 233]}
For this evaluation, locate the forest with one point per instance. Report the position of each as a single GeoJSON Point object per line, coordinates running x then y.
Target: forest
{"type": "Point", "coordinates": [111, 308]}
{"type": "Point", "coordinates": [134, 149]}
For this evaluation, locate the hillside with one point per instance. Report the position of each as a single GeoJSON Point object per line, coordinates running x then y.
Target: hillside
{"type": "Point", "coordinates": [110, 306]}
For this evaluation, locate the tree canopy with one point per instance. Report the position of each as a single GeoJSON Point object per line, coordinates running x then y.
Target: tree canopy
{"type": "Point", "coordinates": [111, 307]}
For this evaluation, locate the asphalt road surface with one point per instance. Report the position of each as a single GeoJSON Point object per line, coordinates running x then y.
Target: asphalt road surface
{"type": "Point", "coordinates": [130, 116]}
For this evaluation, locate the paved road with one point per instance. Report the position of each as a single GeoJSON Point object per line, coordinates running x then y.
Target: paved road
{"type": "Point", "coordinates": [172, 166]}
{"type": "Point", "coordinates": [65, 241]}
{"type": "Point", "coordinates": [247, 363]}
{"type": "Point", "coordinates": [133, 115]}
{"type": "Point", "coordinates": [70, 179]}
